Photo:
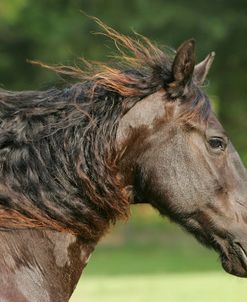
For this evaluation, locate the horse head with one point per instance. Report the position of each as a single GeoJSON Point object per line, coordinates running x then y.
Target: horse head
{"type": "Point", "coordinates": [177, 157]}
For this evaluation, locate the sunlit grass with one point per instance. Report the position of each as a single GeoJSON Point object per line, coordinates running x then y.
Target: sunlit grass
{"type": "Point", "coordinates": [176, 272]}
{"type": "Point", "coordinates": [191, 287]}
{"type": "Point", "coordinates": [147, 261]}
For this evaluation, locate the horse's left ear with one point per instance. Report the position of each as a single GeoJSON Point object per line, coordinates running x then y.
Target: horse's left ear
{"type": "Point", "coordinates": [183, 64]}
{"type": "Point", "coordinates": [201, 69]}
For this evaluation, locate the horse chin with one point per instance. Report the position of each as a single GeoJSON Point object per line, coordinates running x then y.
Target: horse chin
{"type": "Point", "coordinates": [235, 262]}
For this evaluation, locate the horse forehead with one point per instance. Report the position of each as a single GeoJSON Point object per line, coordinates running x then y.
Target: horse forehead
{"type": "Point", "coordinates": [144, 113]}
{"type": "Point", "coordinates": [146, 110]}
{"type": "Point", "coordinates": [214, 123]}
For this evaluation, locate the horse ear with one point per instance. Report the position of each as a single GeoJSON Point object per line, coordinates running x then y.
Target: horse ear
{"type": "Point", "coordinates": [201, 69]}
{"type": "Point", "coordinates": [184, 63]}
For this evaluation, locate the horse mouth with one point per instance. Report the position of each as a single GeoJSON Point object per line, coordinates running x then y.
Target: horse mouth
{"type": "Point", "coordinates": [235, 261]}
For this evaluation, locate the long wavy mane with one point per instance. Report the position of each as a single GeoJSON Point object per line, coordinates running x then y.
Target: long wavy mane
{"type": "Point", "coordinates": [57, 147]}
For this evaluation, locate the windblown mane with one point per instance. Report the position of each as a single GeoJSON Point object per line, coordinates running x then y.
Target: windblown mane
{"type": "Point", "coordinates": [57, 147]}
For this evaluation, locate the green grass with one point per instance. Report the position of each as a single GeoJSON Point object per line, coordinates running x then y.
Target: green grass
{"type": "Point", "coordinates": [157, 259]}
{"type": "Point", "coordinates": [149, 261]}
{"type": "Point", "coordinates": [191, 287]}
{"type": "Point", "coordinates": [171, 273]}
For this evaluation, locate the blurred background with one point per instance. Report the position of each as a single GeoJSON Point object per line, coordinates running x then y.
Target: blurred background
{"type": "Point", "coordinates": [148, 258]}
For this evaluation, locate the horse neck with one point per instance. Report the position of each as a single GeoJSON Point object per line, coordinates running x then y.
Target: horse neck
{"type": "Point", "coordinates": [40, 265]}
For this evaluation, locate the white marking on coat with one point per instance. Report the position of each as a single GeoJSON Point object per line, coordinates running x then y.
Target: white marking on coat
{"type": "Point", "coordinates": [30, 283]}
{"type": "Point", "coordinates": [61, 243]}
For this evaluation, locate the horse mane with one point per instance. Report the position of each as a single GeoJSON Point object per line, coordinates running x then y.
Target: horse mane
{"type": "Point", "coordinates": [57, 147]}
{"type": "Point", "coordinates": [149, 67]}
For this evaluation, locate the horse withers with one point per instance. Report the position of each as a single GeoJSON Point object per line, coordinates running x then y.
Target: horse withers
{"type": "Point", "coordinates": [73, 161]}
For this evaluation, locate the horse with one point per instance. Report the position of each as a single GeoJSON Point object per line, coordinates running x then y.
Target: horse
{"type": "Point", "coordinates": [73, 160]}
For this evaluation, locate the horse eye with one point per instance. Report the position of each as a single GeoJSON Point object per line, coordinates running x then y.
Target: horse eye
{"type": "Point", "coordinates": [217, 143]}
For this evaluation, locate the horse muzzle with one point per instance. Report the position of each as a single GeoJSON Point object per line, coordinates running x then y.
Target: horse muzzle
{"type": "Point", "coordinates": [235, 261]}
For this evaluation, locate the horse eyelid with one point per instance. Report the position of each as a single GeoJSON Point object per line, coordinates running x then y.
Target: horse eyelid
{"type": "Point", "coordinates": [217, 143]}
